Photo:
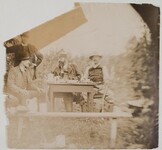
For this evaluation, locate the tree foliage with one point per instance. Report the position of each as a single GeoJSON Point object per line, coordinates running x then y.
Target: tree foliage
{"type": "Point", "coordinates": [135, 67]}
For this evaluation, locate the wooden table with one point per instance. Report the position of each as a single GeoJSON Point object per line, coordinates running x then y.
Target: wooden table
{"type": "Point", "coordinates": [60, 88]}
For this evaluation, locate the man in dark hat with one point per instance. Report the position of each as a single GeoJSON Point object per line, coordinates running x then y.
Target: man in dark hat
{"type": "Point", "coordinates": [20, 84]}
{"type": "Point", "coordinates": [35, 56]}
{"type": "Point", "coordinates": [67, 71]}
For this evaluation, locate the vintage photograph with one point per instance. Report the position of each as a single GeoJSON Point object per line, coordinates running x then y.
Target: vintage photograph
{"type": "Point", "coordinates": [87, 79]}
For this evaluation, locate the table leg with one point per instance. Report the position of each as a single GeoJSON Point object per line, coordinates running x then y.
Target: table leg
{"type": "Point", "coordinates": [51, 98]}
{"type": "Point", "coordinates": [53, 103]}
{"type": "Point", "coordinates": [113, 132]}
{"type": "Point", "coordinates": [90, 101]}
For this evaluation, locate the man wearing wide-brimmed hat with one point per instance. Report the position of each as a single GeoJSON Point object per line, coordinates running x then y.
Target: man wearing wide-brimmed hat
{"type": "Point", "coordinates": [20, 84]}
{"type": "Point", "coordinates": [66, 71]}
{"type": "Point", "coordinates": [98, 74]}
{"type": "Point", "coordinates": [24, 46]}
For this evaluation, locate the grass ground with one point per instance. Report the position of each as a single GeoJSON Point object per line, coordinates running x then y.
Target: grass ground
{"type": "Point", "coordinates": [83, 133]}
{"type": "Point", "coordinates": [79, 133]}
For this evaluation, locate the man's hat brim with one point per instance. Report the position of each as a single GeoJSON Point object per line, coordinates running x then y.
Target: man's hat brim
{"type": "Point", "coordinates": [62, 55]}
{"type": "Point", "coordinates": [90, 57]}
{"type": "Point", "coordinates": [25, 58]}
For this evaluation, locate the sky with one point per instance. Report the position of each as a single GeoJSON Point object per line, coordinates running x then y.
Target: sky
{"type": "Point", "coordinates": [17, 16]}
{"type": "Point", "coordinates": [21, 15]}
{"type": "Point", "coordinates": [108, 30]}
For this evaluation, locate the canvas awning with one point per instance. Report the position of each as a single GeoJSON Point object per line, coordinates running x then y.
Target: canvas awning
{"type": "Point", "coordinates": [52, 30]}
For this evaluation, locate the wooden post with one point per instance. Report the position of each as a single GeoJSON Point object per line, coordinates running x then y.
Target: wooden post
{"type": "Point", "coordinates": [91, 101]}
{"type": "Point", "coordinates": [113, 133]}
{"type": "Point", "coordinates": [88, 101]}
{"type": "Point", "coordinates": [20, 127]}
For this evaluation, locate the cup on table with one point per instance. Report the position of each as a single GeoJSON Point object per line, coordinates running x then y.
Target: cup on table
{"type": "Point", "coordinates": [57, 79]}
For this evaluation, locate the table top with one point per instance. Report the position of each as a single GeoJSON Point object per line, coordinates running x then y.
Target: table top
{"type": "Point", "coordinates": [71, 83]}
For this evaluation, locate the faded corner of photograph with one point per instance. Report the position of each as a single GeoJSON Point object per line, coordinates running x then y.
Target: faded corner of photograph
{"type": "Point", "coordinates": [87, 79]}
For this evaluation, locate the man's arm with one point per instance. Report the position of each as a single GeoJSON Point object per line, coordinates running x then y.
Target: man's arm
{"type": "Point", "coordinates": [11, 82]}
{"type": "Point", "coordinates": [37, 53]}
{"type": "Point", "coordinates": [76, 70]}
{"type": "Point", "coordinates": [39, 58]}
{"type": "Point", "coordinates": [31, 84]}
{"type": "Point", "coordinates": [55, 71]}
{"type": "Point", "coordinates": [86, 76]}
{"type": "Point", "coordinates": [105, 74]}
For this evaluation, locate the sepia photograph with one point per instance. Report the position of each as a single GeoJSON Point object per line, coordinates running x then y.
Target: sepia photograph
{"type": "Point", "coordinates": [86, 79]}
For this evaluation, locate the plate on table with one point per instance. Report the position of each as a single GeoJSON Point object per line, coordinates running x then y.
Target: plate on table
{"type": "Point", "coordinates": [86, 81]}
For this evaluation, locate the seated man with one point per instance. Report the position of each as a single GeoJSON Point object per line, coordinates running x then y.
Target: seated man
{"type": "Point", "coordinates": [20, 84]}
{"type": "Point", "coordinates": [99, 75]}
{"type": "Point", "coordinates": [66, 71]}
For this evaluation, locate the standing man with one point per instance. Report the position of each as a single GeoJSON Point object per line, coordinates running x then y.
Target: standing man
{"type": "Point", "coordinates": [20, 84]}
{"type": "Point", "coordinates": [66, 71]}
{"type": "Point", "coordinates": [35, 56]}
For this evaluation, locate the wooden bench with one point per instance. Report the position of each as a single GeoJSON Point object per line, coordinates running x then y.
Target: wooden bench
{"type": "Point", "coordinates": [112, 115]}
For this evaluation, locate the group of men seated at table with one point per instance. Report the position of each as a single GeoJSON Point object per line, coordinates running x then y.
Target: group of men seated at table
{"type": "Point", "coordinates": [20, 85]}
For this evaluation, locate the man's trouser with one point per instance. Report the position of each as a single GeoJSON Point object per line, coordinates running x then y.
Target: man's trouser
{"type": "Point", "coordinates": [98, 98]}
{"type": "Point", "coordinates": [41, 97]}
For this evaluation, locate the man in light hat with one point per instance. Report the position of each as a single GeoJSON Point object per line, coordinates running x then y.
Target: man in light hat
{"type": "Point", "coordinates": [35, 56]}
{"type": "Point", "coordinates": [98, 74]}
{"type": "Point", "coordinates": [20, 84]}
{"type": "Point", "coordinates": [66, 71]}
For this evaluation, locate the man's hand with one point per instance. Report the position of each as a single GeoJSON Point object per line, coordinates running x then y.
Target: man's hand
{"type": "Point", "coordinates": [32, 65]}
{"type": "Point", "coordinates": [40, 90]}
{"type": "Point", "coordinates": [107, 82]}
{"type": "Point", "coordinates": [12, 101]}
